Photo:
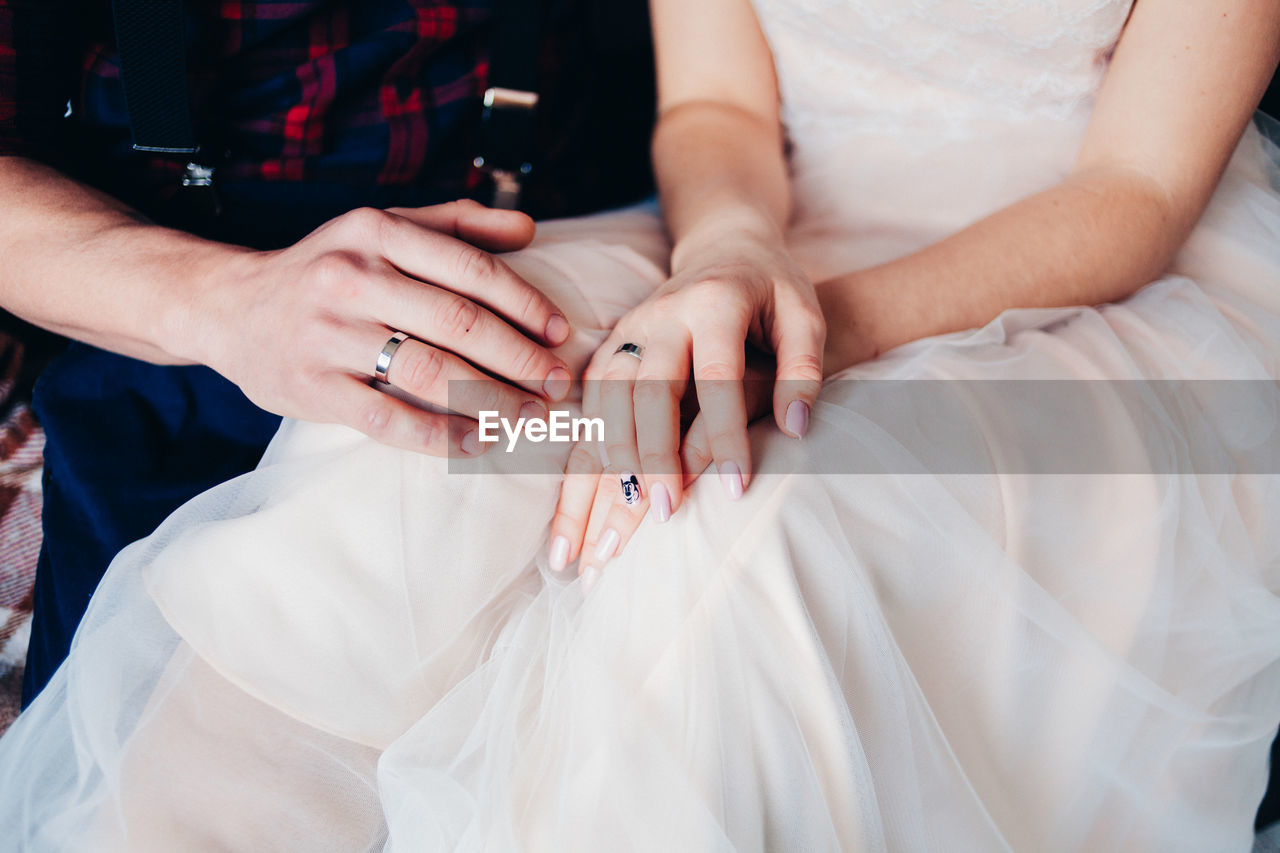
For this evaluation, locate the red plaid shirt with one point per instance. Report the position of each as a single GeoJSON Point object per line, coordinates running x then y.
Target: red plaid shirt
{"type": "Point", "coordinates": [371, 94]}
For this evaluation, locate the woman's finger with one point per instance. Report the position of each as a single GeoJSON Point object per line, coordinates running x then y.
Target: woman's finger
{"type": "Point", "coordinates": [573, 511]}
{"type": "Point", "coordinates": [591, 385]}
{"type": "Point", "coordinates": [617, 387]}
{"type": "Point", "coordinates": [695, 451]}
{"type": "Point", "coordinates": [610, 527]}
{"type": "Point", "coordinates": [659, 388]}
{"type": "Point", "coordinates": [798, 335]}
{"type": "Point", "coordinates": [719, 368]}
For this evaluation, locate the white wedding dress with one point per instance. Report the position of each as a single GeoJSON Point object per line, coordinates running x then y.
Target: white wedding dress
{"type": "Point", "coordinates": [358, 648]}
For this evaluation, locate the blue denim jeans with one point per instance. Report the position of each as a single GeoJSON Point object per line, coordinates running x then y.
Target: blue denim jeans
{"type": "Point", "coordinates": [127, 444]}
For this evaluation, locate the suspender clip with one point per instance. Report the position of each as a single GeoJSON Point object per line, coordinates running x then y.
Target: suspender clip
{"type": "Point", "coordinates": [507, 120]}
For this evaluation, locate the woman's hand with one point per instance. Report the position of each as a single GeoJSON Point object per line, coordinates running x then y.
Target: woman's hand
{"type": "Point", "coordinates": [740, 291]}
{"type": "Point", "coordinates": [592, 508]}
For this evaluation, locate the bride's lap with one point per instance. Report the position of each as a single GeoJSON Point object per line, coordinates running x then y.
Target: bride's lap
{"type": "Point", "coordinates": [349, 594]}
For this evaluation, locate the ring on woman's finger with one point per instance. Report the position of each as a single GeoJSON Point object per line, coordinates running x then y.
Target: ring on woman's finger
{"type": "Point", "coordinates": [631, 349]}
{"type": "Point", "coordinates": [383, 363]}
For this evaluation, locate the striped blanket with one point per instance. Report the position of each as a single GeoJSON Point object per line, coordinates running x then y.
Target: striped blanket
{"type": "Point", "coordinates": [21, 452]}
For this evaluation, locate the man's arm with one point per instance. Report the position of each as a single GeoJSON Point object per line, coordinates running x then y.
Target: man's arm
{"type": "Point", "coordinates": [80, 263]}
{"type": "Point", "coordinates": [298, 329]}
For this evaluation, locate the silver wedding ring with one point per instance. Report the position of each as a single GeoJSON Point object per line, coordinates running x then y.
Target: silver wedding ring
{"type": "Point", "coordinates": [384, 358]}
{"type": "Point", "coordinates": [631, 349]}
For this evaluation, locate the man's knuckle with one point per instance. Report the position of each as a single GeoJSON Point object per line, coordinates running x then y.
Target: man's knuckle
{"type": "Point", "coordinates": [430, 432]}
{"type": "Point", "coordinates": [420, 370]}
{"type": "Point", "coordinates": [374, 419]}
{"type": "Point", "coordinates": [365, 223]}
{"type": "Point", "coordinates": [456, 317]}
{"type": "Point", "coordinates": [492, 397]}
{"type": "Point", "coordinates": [473, 265]}
{"type": "Point", "coordinates": [525, 363]}
{"type": "Point", "coordinates": [533, 309]}
{"type": "Point", "coordinates": [338, 273]}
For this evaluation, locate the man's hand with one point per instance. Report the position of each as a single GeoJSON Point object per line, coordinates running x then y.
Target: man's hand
{"type": "Point", "coordinates": [300, 329]}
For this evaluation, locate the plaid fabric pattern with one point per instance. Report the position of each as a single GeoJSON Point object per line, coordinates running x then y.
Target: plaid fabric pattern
{"type": "Point", "coordinates": [21, 450]}
{"type": "Point", "coordinates": [384, 91]}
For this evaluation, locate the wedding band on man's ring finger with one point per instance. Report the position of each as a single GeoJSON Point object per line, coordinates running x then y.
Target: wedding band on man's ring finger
{"type": "Point", "coordinates": [439, 377]}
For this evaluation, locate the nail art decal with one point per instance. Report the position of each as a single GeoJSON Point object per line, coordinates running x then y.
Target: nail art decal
{"type": "Point", "coordinates": [630, 488]}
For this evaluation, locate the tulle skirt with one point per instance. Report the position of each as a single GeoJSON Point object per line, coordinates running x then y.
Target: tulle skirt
{"type": "Point", "coordinates": [358, 648]}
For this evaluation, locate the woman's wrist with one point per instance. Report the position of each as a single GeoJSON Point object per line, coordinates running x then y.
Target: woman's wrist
{"type": "Point", "coordinates": [708, 243]}
{"type": "Point", "coordinates": [853, 335]}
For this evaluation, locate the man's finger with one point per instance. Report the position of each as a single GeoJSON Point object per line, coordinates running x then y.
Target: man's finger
{"type": "Point", "coordinates": [394, 422]}
{"type": "Point", "coordinates": [451, 321]}
{"type": "Point", "coordinates": [488, 228]}
{"type": "Point", "coordinates": [437, 376]}
{"type": "Point", "coordinates": [455, 265]}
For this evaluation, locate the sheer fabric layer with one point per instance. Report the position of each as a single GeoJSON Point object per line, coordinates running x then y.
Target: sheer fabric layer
{"type": "Point", "coordinates": [354, 648]}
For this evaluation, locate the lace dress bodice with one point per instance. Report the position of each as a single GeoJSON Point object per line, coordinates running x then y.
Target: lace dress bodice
{"type": "Point", "coordinates": [909, 119]}
{"type": "Point", "coordinates": [937, 67]}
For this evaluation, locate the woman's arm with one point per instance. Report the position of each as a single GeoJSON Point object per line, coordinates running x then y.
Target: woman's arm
{"type": "Point", "coordinates": [1181, 88]}
{"type": "Point", "coordinates": [722, 177]}
{"type": "Point", "coordinates": [717, 147]}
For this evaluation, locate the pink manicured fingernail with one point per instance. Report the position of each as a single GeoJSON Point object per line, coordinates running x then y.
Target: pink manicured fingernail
{"type": "Point", "coordinates": [731, 479]}
{"type": "Point", "coordinates": [798, 418]}
{"type": "Point", "coordinates": [660, 503]}
{"type": "Point", "coordinates": [559, 556]}
{"type": "Point", "coordinates": [557, 329]}
{"type": "Point", "coordinates": [607, 545]}
{"type": "Point", "coordinates": [471, 443]}
{"type": "Point", "coordinates": [589, 578]}
{"type": "Point", "coordinates": [532, 411]}
{"type": "Point", "coordinates": [556, 384]}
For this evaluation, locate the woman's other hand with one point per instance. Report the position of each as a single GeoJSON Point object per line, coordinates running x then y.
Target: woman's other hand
{"type": "Point", "coordinates": [594, 520]}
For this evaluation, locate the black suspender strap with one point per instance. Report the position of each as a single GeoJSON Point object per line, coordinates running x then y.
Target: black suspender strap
{"type": "Point", "coordinates": [153, 65]}
{"type": "Point", "coordinates": [151, 40]}
{"type": "Point", "coordinates": [506, 129]}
